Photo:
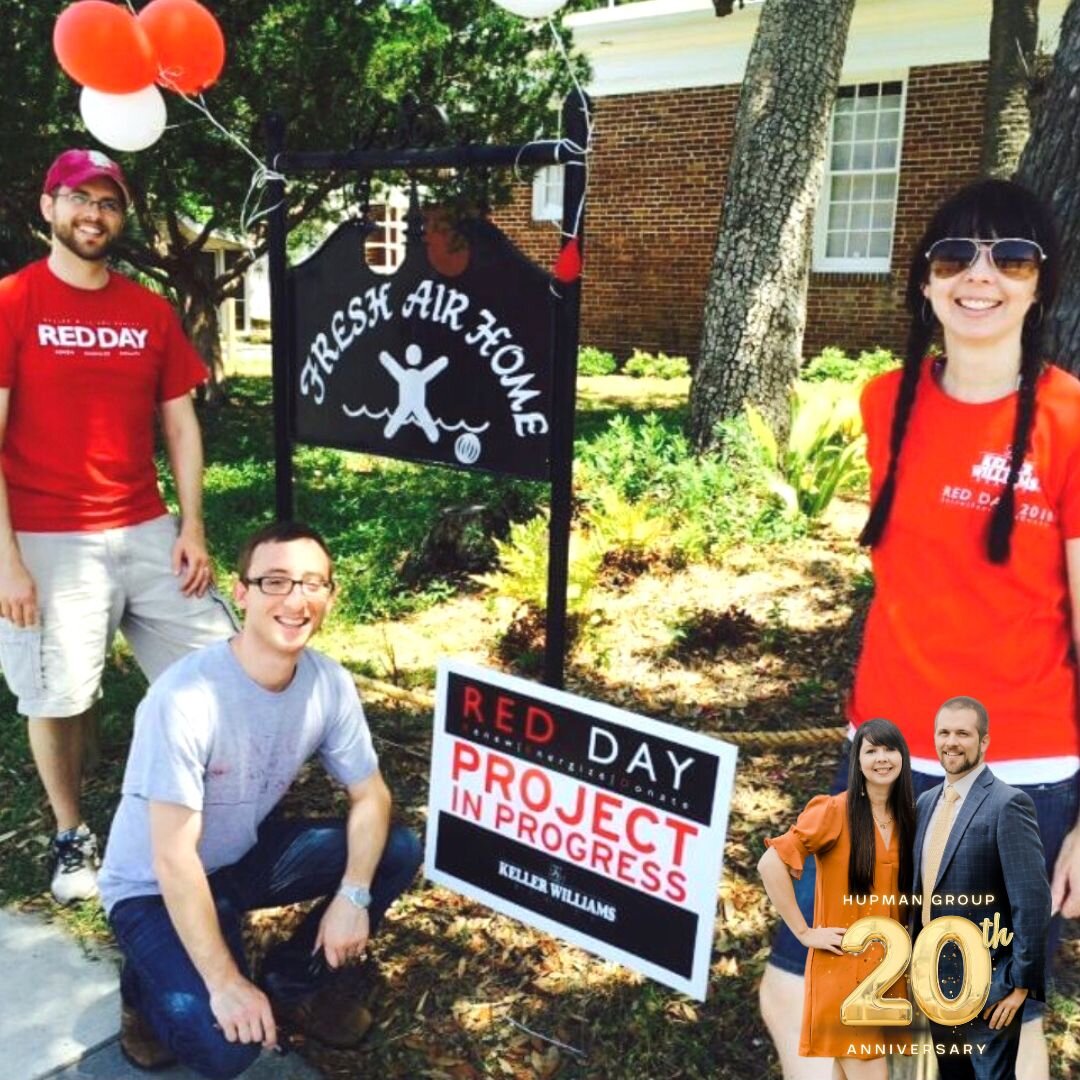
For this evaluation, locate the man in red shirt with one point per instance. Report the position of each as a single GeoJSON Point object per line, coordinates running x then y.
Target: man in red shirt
{"type": "Point", "coordinates": [88, 358]}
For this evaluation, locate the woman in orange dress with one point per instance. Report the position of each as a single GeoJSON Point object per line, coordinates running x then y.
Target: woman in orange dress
{"type": "Point", "coordinates": [863, 840]}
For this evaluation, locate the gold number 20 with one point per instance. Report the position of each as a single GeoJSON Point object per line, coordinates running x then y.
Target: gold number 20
{"type": "Point", "coordinates": [866, 1005]}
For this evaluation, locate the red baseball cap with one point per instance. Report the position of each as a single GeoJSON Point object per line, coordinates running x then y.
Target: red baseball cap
{"type": "Point", "coordinates": [75, 167]}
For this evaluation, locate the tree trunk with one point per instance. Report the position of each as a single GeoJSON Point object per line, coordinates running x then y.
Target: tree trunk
{"type": "Point", "coordinates": [755, 303]}
{"type": "Point", "coordinates": [199, 298]}
{"type": "Point", "coordinates": [1050, 165]}
{"type": "Point", "coordinates": [203, 327]}
{"type": "Point", "coordinates": [1014, 38]}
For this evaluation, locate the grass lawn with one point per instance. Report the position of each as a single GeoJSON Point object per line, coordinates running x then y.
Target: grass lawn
{"type": "Point", "coordinates": [761, 637]}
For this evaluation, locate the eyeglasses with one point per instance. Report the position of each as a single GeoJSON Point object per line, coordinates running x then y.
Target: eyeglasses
{"type": "Point", "coordinates": [276, 585]}
{"type": "Point", "coordinates": [1014, 257]}
{"type": "Point", "coordinates": [81, 202]}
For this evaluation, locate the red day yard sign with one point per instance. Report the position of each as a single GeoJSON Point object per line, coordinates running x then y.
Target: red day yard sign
{"type": "Point", "coordinates": [601, 827]}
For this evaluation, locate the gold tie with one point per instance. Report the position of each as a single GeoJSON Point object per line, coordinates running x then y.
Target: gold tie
{"type": "Point", "coordinates": [938, 839]}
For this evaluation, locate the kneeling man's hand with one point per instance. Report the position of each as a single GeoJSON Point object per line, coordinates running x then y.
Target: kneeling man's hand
{"type": "Point", "coordinates": [243, 1011]}
{"type": "Point", "coordinates": [1001, 1014]}
{"type": "Point", "coordinates": [343, 932]}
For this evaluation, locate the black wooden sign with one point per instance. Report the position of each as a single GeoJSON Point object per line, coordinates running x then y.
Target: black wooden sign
{"type": "Point", "coordinates": [424, 366]}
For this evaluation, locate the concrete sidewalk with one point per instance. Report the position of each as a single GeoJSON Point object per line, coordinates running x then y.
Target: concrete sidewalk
{"type": "Point", "coordinates": [60, 1011]}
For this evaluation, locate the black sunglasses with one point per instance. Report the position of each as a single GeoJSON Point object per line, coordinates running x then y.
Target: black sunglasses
{"type": "Point", "coordinates": [1012, 256]}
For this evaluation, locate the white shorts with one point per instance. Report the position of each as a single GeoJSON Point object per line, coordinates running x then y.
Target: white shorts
{"type": "Point", "coordinates": [89, 585]}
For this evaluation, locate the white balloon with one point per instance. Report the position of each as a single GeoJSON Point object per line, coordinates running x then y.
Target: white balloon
{"type": "Point", "coordinates": [531, 9]}
{"type": "Point", "coordinates": [124, 121]}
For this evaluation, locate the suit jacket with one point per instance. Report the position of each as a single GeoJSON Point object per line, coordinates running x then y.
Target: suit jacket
{"type": "Point", "coordinates": [993, 851]}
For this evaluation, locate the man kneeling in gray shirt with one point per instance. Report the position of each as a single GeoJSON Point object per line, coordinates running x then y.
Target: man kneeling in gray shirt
{"type": "Point", "coordinates": [195, 843]}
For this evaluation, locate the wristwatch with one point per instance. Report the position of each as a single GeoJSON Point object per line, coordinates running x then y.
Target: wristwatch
{"type": "Point", "coordinates": [357, 895]}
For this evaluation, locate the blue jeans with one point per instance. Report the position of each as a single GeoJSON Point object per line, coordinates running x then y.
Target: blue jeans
{"type": "Point", "coordinates": [1056, 807]}
{"type": "Point", "coordinates": [292, 860]}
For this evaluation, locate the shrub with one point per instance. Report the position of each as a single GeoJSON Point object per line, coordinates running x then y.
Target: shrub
{"type": "Point", "coordinates": [658, 366]}
{"type": "Point", "coordinates": [831, 363]}
{"type": "Point", "coordinates": [594, 361]}
{"type": "Point", "coordinates": [620, 524]}
{"type": "Point", "coordinates": [875, 361]}
{"type": "Point", "coordinates": [708, 502]}
{"type": "Point", "coordinates": [631, 454]}
{"type": "Point", "coordinates": [523, 566]}
{"type": "Point", "coordinates": [523, 577]}
{"type": "Point", "coordinates": [834, 363]}
{"type": "Point", "coordinates": [633, 537]}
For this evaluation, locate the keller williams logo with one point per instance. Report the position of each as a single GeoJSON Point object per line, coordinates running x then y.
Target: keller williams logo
{"type": "Point", "coordinates": [994, 469]}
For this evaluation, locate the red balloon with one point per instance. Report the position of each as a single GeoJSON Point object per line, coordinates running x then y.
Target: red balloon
{"type": "Point", "coordinates": [102, 46]}
{"type": "Point", "coordinates": [188, 41]}
{"type": "Point", "coordinates": [568, 265]}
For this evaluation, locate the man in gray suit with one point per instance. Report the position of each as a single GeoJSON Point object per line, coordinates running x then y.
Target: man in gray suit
{"type": "Point", "coordinates": [978, 855]}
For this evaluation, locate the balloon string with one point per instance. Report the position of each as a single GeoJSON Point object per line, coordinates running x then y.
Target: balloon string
{"type": "Point", "coordinates": [263, 174]}
{"type": "Point", "coordinates": [578, 154]}
{"type": "Point", "coordinates": [581, 153]}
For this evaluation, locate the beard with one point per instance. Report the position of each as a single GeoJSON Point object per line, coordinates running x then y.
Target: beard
{"type": "Point", "coordinates": [65, 233]}
{"type": "Point", "coordinates": [963, 764]}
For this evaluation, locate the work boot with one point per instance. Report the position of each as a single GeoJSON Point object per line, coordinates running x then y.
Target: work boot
{"type": "Point", "coordinates": [139, 1044]}
{"type": "Point", "coordinates": [330, 1015]}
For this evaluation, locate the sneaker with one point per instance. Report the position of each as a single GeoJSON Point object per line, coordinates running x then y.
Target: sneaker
{"type": "Point", "coordinates": [74, 861]}
{"type": "Point", "coordinates": [139, 1044]}
{"type": "Point", "coordinates": [329, 1015]}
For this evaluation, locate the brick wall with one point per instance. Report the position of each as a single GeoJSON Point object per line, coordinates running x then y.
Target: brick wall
{"type": "Point", "coordinates": [655, 190]}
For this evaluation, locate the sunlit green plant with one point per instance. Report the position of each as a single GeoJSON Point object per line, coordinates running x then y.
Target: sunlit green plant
{"type": "Point", "coordinates": [833, 363]}
{"type": "Point", "coordinates": [523, 566]}
{"type": "Point", "coordinates": [656, 365]}
{"type": "Point", "coordinates": [594, 361]}
{"type": "Point", "coordinates": [825, 447]}
{"type": "Point", "coordinates": [616, 524]}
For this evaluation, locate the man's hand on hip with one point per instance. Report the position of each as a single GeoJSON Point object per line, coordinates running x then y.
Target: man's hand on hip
{"type": "Point", "coordinates": [1065, 889]}
{"type": "Point", "coordinates": [191, 561]}
{"type": "Point", "coordinates": [243, 1011]}
{"type": "Point", "coordinates": [18, 594]}
{"type": "Point", "coordinates": [343, 932]}
{"type": "Point", "coordinates": [1001, 1014]}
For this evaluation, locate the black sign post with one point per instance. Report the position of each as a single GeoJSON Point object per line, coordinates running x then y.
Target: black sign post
{"type": "Point", "coordinates": [468, 360]}
{"type": "Point", "coordinates": [575, 119]}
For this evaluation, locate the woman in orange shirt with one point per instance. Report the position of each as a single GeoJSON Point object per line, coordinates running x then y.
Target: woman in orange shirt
{"type": "Point", "coordinates": [974, 534]}
{"type": "Point", "coordinates": [863, 840]}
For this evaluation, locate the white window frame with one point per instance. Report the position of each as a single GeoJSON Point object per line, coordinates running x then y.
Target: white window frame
{"type": "Point", "coordinates": [547, 193]}
{"type": "Point", "coordinates": [877, 264]}
{"type": "Point", "coordinates": [395, 204]}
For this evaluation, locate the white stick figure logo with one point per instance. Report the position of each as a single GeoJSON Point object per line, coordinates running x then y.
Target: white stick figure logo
{"type": "Point", "coordinates": [412, 392]}
{"type": "Point", "coordinates": [412, 406]}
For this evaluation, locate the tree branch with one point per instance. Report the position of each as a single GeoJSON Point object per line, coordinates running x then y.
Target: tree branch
{"type": "Point", "coordinates": [147, 261]}
{"type": "Point", "coordinates": [204, 233]}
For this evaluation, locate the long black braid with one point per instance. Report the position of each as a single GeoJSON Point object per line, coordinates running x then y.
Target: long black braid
{"type": "Point", "coordinates": [1004, 516]}
{"type": "Point", "coordinates": [986, 208]}
{"type": "Point", "coordinates": [920, 333]}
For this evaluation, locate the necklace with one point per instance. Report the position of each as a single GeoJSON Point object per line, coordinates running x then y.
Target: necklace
{"type": "Point", "coordinates": [882, 824]}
